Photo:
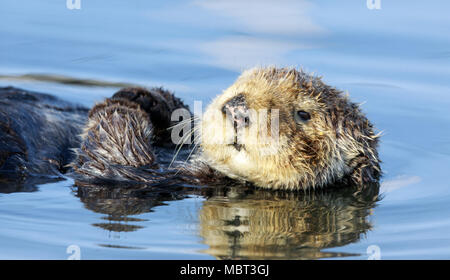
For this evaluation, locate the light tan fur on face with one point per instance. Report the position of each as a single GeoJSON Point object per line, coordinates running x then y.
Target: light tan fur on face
{"type": "Point", "coordinates": [337, 141]}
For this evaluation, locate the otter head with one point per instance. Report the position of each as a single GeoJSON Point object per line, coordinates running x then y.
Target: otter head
{"type": "Point", "coordinates": [284, 129]}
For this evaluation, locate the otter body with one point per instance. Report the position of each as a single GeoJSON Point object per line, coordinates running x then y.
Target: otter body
{"type": "Point", "coordinates": [314, 136]}
{"type": "Point", "coordinates": [37, 132]}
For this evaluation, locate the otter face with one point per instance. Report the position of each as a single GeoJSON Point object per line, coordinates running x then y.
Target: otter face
{"type": "Point", "coordinates": [273, 128]}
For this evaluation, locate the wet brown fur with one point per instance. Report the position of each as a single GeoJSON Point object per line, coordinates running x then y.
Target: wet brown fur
{"type": "Point", "coordinates": [118, 141]}
{"type": "Point", "coordinates": [118, 133]}
{"type": "Point", "coordinates": [36, 133]}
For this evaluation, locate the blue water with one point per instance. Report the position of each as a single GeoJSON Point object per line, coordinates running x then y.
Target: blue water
{"type": "Point", "coordinates": [395, 60]}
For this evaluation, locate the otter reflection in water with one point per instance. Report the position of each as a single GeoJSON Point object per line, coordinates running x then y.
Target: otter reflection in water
{"type": "Point", "coordinates": [120, 203]}
{"type": "Point", "coordinates": [246, 223]}
{"type": "Point", "coordinates": [242, 222]}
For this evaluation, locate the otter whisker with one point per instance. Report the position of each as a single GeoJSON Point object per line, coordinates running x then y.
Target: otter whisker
{"type": "Point", "coordinates": [180, 145]}
{"type": "Point", "coordinates": [184, 122]}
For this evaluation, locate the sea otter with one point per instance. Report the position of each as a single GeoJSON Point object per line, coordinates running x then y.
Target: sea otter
{"type": "Point", "coordinates": [322, 138]}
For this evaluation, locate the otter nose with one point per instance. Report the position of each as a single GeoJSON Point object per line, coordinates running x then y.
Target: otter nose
{"type": "Point", "coordinates": [236, 109]}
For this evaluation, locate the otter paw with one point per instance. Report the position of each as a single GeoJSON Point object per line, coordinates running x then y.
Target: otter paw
{"type": "Point", "coordinates": [158, 104]}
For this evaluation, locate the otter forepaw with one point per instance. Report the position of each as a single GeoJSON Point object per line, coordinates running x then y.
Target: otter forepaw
{"type": "Point", "coordinates": [118, 133]}
{"type": "Point", "coordinates": [158, 104]}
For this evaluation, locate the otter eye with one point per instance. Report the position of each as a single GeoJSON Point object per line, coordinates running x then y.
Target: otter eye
{"type": "Point", "coordinates": [302, 116]}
